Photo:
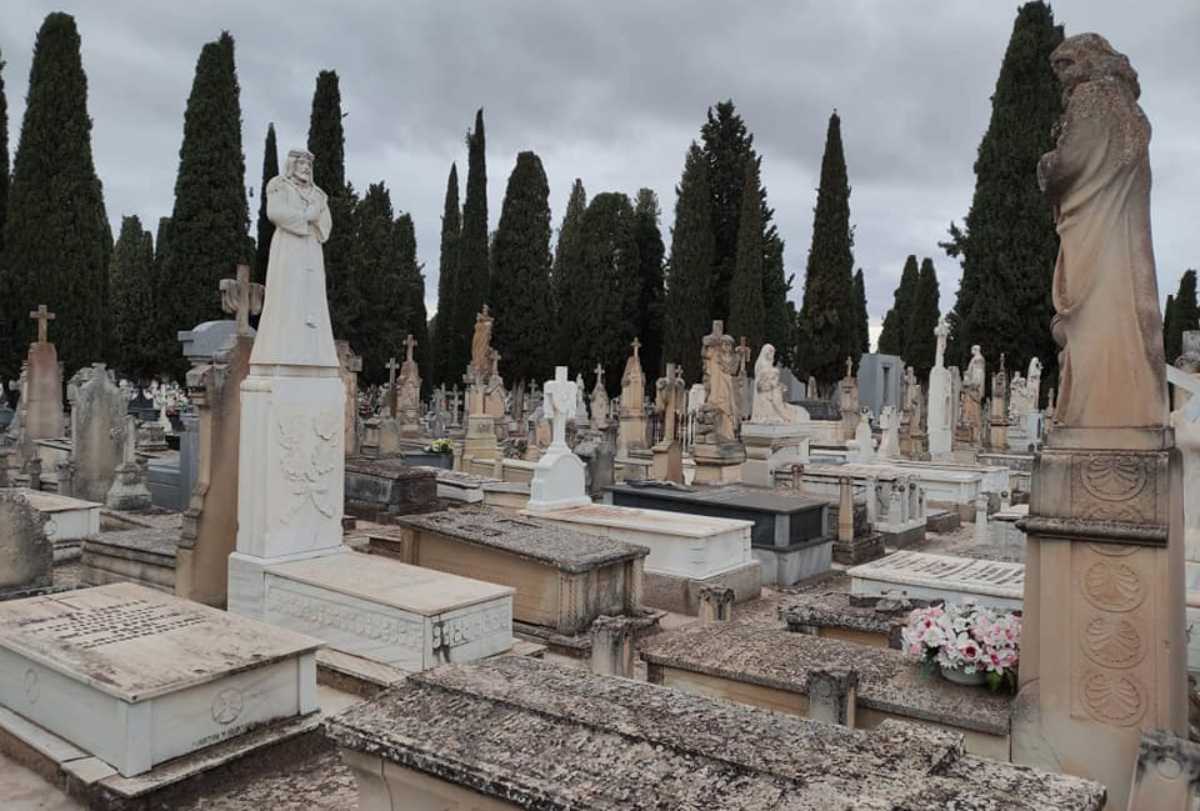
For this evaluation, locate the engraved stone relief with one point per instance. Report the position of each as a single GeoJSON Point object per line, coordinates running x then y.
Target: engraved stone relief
{"type": "Point", "coordinates": [1113, 641]}
{"type": "Point", "coordinates": [1114, 698]}
{"type": "Point", "coordinates": [309, 459]}
{"type": "Point", "coordinates": [1113, 586]}
{"type": "Point", "coordinates": [227, 705]}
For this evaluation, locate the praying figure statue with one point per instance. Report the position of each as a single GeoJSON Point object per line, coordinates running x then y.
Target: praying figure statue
{"type": "Point", "coordinates": [295, 328]}
{"type": "Point", "coordinates": [1105, 292]}
{"type": "Point", "coordinates": [769, 405]}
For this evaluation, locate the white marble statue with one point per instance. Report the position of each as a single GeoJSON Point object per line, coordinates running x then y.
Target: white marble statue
{"type": "Point", "coordinates": [295, 329]}
{"type": "Point", "coordinates": [769, 404]}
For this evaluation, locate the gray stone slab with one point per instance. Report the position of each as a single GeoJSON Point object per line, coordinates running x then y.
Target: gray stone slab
{"type": "Point", "coordinates": [557, 546]}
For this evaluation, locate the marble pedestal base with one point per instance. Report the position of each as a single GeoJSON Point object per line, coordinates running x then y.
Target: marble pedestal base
{"type": "Point", "coordinates": [376, 608]}
{"type": "Point", "coordinates": [667, 465]}
{"type": "Point", "coordinates": [716, 464]}
{"type": "Point", "coordinates": [631, 435]}
{"type": "Point", "coordinates": [1103, 653]}
{"type": "Point", "coordinates": [768, 446]}
{"type": "Point", "coordinates": [559, 481]}
{"type": "Point", "coordinates": [481, 442]}
{"type": "Point", "coordinates": [137, 678]}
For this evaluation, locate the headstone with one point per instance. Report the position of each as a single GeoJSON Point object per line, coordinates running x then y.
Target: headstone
{"type": "Point", "coordinates": [26, 554]}
{"type": "Point", "coordinates": [210, 446]}
{"type": "Point", "coordinates": [558, 478]}
{"type": "Point", "coordinates": [634, 426]}
{"type": "Point", "coordinates": [43, 412]}
{"type": "Point", "coordinates": [128, 491]}
{"type": "Point", "coordinates": [670, 406]}
{"type": "Point", "coordinates": [349, 365]}
{"type": "Point", "coordinates": [600, 402]}
{"type": "Point", "coordinates": [1103, 653]}
{"type": "Point", "coordinates": [98, 411]}
{"type": "Point", "coordinates": [409, 395]}
{"type": "Point", "coordinates": [848, 400]}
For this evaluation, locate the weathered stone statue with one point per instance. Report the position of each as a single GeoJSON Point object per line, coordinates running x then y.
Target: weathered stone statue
{"type": "Point", "coordinates": [481, 344]}
{"type": "Point", "coordinates": [294, 329]}
{"type": "Point", "coordinates": [1105, 291]}
{"type": "Point", "coordinates": [769, 405]}
{"type": "Point", "coordinates": [973, 385]}
{"type": "Point", "coordinates": [719, 366]}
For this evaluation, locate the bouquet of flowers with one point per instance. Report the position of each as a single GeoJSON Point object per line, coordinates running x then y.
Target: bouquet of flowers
{"type": "Point", "coordinates": [966, 638]}
{"type": "Point", "coordinates": [440, 446]}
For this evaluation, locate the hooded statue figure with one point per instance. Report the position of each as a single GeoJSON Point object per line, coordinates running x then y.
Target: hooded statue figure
{"type": "Point", "coordinates": [1105, 291]}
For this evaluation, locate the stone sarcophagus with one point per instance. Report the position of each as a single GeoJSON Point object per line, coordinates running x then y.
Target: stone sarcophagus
{"type": "Point", "coordinates": [563, 579]}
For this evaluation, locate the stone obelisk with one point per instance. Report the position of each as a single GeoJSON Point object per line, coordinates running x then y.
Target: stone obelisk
{"type": "Point", "coordinates": [1103, 654]}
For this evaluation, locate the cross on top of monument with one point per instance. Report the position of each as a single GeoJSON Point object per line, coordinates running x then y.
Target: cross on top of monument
{"type": "Point", "coordinates": [242, 298]}
{"type": "Point", "coordinates": [599, 370]}
{"type": "Point", "coordinates": [637, 344]}
{"type": "Point", "coordinates": [391, 366]}
{"type": "Point", "coordinates": [410, 342]}
{"type": "Point", "coordinates": [42, 315]}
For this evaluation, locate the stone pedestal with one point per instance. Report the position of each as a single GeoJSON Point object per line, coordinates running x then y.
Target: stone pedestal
{"type": "Point", "coordinates": [44, 412]}
{"type": "Point", "coordinates": [667, 464]}
{"type": "Point", "coordinates": [768, 446]}
{"type": "Point", "coordinates": [481, 438]}
{"type": "Point", "coordinates": [718, 464]}
{"type": "Point", "coordinates": [633, 432]}
{"type": "Point", "coordinates": [1103, 649]}
{"type": "Point", "coordinates": [559, 481]}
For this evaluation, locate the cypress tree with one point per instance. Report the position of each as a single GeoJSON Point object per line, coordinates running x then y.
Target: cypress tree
{"type": "Point", "coordinates": [4, 167]}
{"type": "Point", "coordinates": [747, 314]}
{"type": "Point", "coordinates": [610, 286]}
{"type": "Point", "coordinates": [568, 303]}
{"type": "Point", "coordinates": [57, 240]}
{"type": "Point", "coordinates": [1185, 315]}
{"type": "Point", "coordinates": [828, 313]}
{"type": "Point", "coordinates": [689, 272]}
{"type": "Point", "coordinates": [862, 320]}
{"type": "Point", "coordinates": [210, 222]}
{"type": "Point", "coordinates": [728, 146]}
{"type": "Point", "coordinates": [920, 345]}
{"type": "Point", "coordinates": [444, 334]}
{"type": "Point", "coordinates": [520, 290]}
{"type": "Point", "coordinates": [650, 300]}
{"type": "Point", "coordinates": [134, 289]}
{"type": "Point", "coordinates": [1008, 244]}
{"type": "Point", "coordinates": [895, 323]}
{"type": "Point", "coordinates": [327, 143]}
{"type": "Point", "coordinates": [412, 282]}
{"type": "Point", "coordinates": [779, 327]}
{"type": "Point", "coordinates": [473, 263]}
{"type": "Point", "coordinates": [266, 228]}
{"type": "Point", "coordinates": [1169, 329]}
{"type": "Point", "coordinates": [380, 326]}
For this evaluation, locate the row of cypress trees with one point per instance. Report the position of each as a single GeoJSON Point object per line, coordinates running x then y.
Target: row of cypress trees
{"type": "Point", "coordinates": [908, 326]}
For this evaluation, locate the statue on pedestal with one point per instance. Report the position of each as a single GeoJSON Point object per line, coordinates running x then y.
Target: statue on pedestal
{"type": "Point", "coordinates": [769, 405]}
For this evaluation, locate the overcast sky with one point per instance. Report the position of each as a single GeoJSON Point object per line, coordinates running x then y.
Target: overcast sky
{"type": "Point", "coordinates": [614, 92]}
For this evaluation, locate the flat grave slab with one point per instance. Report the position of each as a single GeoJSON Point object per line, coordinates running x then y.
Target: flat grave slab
{"type": "Point", "coordinates": [478, 736]}
{"type": "Point", "coordinates": [790, 537]}
{"type": "Point", "coordinates": [998, 584]}
{"type": "Point", "coordinates": [143, 556]}
{"type": "Point", "coordinates": [68, 520]}
{"type": "Point", "coordinates": [563, 579]}
{"type": "Point", "coordinates": [687, 552]}
{"type": "Point", "coordinates": [136, 677]}
{"type": "Point", "coordinates": [405, 616]}
{"type": "Point", "coordinates": [771, 667]}
{"type": "Point", "coordinates": [378, 488]}
{"type": "Point", "coordinates": [456, 485]}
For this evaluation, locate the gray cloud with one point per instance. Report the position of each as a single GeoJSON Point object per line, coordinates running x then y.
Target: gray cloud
{"type": "Point", "coordinates": [614, 93]}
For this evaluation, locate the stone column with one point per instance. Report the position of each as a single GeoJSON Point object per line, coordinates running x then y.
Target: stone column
{"type": "Point", "coordinates": [845, 528]}
{"type": "Point", "coordinates": [981, 518]}
{"type": "Point", "coordinates": [832, 695]}
{"type": "Point", "coordinates": [612, 646]}
{"type": "Point", "coordinates": [716, 604]}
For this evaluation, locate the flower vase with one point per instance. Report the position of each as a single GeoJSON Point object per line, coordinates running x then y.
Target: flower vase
{"type": "Point", "coordinates": [959, 676]}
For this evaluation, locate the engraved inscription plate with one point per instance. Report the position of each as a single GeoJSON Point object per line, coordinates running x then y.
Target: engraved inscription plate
{"type": "Point", "coordinates": [92, 627]}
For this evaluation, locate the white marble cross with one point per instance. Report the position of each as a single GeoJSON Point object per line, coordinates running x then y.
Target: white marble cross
{"type": "Point", "coordinates": [391, 366]}
{"type": "Point", "coordinates": [42, 315]}
{"type": "Point", "coordinates": [559, 404]}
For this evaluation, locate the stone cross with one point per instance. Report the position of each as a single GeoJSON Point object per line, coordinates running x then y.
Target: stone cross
{"type": "Point", "coordinates": [599, 370]}
{"type": "Point", "coordinates": [42, 315]}
{"type": "Point", "coordinates": [391, 366]}
{"type": "Point", "coordinates": [637, 344]}
{"type": "Point", "coordinates": [242, 298]}
{"type": "Point", "coordinates": [455, 404]}
{"type": "Point", "coordinates": [410, 343]}
{"type": "Point", "coordinates": [743, 350]}
{"type": "Point", "coordinates": [559, 404]}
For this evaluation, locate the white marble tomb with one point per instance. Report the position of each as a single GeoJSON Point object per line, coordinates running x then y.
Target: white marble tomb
{"type": "Point", "coordinates": [992, 583]}
{"type": "Point", "coordinates": [137, 677]}
{"type": "Point", "coordinates": [68, 520]}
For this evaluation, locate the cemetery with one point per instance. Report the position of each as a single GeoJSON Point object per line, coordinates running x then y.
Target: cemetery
{"type": "Point", "coordinates": [294, 516]}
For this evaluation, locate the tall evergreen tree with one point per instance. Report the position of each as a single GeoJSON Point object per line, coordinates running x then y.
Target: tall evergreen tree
{"type": "Point", "coordinates": [780, 325]}
{"type": "Point", "coordinates": [1008, 243]}
{"type": "Point", "coordinates": [57, 240]}
{"type": "Point", "coordinates": [266, 228]}
{"type": "Point", "coordinates": [327, 143]}
{"type": "Point", "coordinates": [444, 334]}
{"type": "Point", "coordinates": [650, 300]}
{"type": "Point", "coordinates": [379, 329]}
{"type": "Point", "coordinates": [895, 323]}
{"type": "Point", "coordinates": [210, 222]}
{"type": "Point", "coordinates": [828, 313]}
{"type": "Point", "coordinates": [412, 282]}
{"type": "Point", "coordinates": [610, 285]}
{"type": "Point", "coordinates": [565, 276]}
{"type": "Point", "coordinates": [689, 272]}
{"type": "Point", "coordinates": [747, 314]}
{"type": "Point", "coordinates": [473, 264]}
{"type": "Point", "coordinates": [4, 166]}
{"type": "Point", "coordinates": [136, 351]}
{"type": "Point", "coordinates": [520, 293]}
{"type": "Point", "coordinates": [1169, 329]}
{"type": "Point", "coordinates": [1184, 316]}
{"type": "Point", "coordinates": [861, 319]}
{"type": "Point", "coordinates": [920, 344]}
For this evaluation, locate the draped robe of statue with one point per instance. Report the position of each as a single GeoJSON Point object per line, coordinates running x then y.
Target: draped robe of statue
{"type": "Point", "coordinates": [769, 405]}
{"type": "Point", "coordinates": [718, 384]}
{"type": "Point", "coordinates": [295, 329]}
{"type": "Point", "coordinates": [481, 345]}
{"type": "Point", "coordinates": [1105, 291]}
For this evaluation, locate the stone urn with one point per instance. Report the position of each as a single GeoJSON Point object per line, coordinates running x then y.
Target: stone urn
{"type": "Point", "coordinates": [959, 676]}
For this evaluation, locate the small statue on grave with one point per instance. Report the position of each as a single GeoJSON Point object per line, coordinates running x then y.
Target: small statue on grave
{"type": "Point", "coordinates": [769, 404]}
{"type": "Point", "coordinates": [719, 366]}
{"type": "Point", "coordinates": [1105, 289]}
{"type": "Point", "coordinates": [481, 344]}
